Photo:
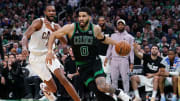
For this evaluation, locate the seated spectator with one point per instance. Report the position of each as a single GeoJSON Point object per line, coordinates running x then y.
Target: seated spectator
{"type": "Point", "coordinates": [171, 63]}
{"type": "Point", "coordinates": [162, 43]}
{"type": "Point", "coordinates": [173, 44]}
{"type": "Point", "coordinates": [164, 51]}
{"type": "Point", "coordinates": [152, 39]}
{"type": "Point", "coordinates": [138, 38]}
{"type": "Point", "coordinates": [150, 76]}
{"type": "Point", "coordinates": [170, 35]}
{"type": "Point", "coordinates": [158, 32]}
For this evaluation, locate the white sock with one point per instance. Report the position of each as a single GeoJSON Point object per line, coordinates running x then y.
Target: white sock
{"type": "Point", "coordinates": [174, 96]}
{"type": "Point", "coordinates": [136, 92]}
{"type": "Point", "coordinates": [162, 95]}
{"type": "Point", "coordinates": [154, 93]}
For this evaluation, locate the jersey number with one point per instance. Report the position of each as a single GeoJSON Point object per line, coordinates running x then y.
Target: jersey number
{"type": "Point", "coordinates": [84, 51]}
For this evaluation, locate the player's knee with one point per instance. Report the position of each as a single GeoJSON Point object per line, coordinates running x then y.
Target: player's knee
{"type": "Point", "coordinates": [156, 78]}
{"type": "Point", "coordinates": [134, 78]}
{"type": "Point", "coordinates": [101, 87]}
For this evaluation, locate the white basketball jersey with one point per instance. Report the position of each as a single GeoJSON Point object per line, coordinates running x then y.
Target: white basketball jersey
{"type": "Point", "coordinates": [39, 39]}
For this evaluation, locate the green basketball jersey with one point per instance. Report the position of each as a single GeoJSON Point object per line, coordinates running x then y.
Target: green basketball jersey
{"type": "Point", "coordinates": [84, 43]}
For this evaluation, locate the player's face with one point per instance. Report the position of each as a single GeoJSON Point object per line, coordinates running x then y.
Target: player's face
{"type": "Point", "coordinates": [83, 19]}
{"type": "Point", "coordinates": [154, 51]}
{"type": "Point", "coordinates": [171, 55]}
{"type": "Point", "coordinates": [120, 27]}
{"type": "Point", "coordinates": [50, 13]}
{"type": "Point", "coordinates": [101, 22]}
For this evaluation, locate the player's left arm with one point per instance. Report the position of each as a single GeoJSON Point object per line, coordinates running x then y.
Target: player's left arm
{"type": "Point", "coordinates": [62, 39]}
{"type": "Point", "coordinates": [103, 38]}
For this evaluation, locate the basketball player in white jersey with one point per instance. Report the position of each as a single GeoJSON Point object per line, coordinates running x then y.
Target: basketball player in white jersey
{"type": "Point", "coordinates": [39, 32]}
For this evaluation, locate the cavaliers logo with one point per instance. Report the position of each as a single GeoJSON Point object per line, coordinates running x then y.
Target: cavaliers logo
{"type": "Point", "coordinates": [46, 35]}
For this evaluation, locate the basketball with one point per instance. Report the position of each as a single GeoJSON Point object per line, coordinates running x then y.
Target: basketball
{"type": "Point", "coordinates": [123, 48]}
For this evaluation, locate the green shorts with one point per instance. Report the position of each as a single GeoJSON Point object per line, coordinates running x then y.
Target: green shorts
{"type": "Point", "coordinates": [89, 70]}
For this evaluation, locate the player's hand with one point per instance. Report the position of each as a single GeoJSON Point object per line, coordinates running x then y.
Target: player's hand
{"type": "Point", "coordinates": [25, 52]}
{"type": "Point", "coordinates": [105, 62]}
{"type": "Point", "coordinates": [149, 75]}
{"type": "Point", "coordinates": [135, 45]}
{"type": "Point", "coordinates": [49, 58]}
{"type": "Point", "coordinates": [70, 76]}
{"type": "Point", "coordinates": [131, 67]}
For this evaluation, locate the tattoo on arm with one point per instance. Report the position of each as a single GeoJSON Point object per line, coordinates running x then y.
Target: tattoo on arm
{"type": "Point", "coordinates": [101, 82]}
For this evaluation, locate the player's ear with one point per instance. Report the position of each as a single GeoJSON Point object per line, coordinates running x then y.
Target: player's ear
{"type": "Point", "coordinates": [90, 18]}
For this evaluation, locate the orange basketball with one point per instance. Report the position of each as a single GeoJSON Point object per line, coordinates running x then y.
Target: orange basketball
{"type": "Point", "coordinates": [123, 48]}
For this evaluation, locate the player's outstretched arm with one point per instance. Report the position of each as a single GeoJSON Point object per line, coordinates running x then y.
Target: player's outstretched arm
{"type": "Point", "coordinates": [100, 36]}
{"type": "Point", "coordinates": [35, 26]}
{"type": "Point", "coordinates": [137, 52]}
{"type": "Point", "coordinates": [56, 35]}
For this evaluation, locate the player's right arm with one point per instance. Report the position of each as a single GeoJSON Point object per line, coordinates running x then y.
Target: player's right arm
{"type": "Point", "coordinates": [137, 52]}
{"type": "Point", "coordinates": [66, 30]}
{"type": "Point", "coordinates": [35, 26]}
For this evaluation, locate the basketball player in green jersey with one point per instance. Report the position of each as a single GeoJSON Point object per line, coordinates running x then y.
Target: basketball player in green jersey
{"type": "Point", "coordinates": [83, 37]}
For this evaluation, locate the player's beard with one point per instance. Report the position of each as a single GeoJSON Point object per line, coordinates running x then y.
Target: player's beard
{"type": "Point", "coordinates": [154, 54]}
{"type": "Point", "coordinates": [85, 24]}
{"type": "Point", "coordinates": [51, 20]}
{"type": "Point", "coordinates": [102, 25]}
{"type": "Point", "coordinates": [121, 30]}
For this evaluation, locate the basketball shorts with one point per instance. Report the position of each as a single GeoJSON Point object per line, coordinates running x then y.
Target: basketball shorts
{"type": "Point", "coordinates": [89, 70]}
{"type": "Point", "coordinates": [39, 66]}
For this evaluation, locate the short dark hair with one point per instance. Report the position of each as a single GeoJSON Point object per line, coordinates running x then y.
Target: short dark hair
{"type": "Point", "coordinates": [85, 9]}
{"type": "Point", "coordinates": [173, 50]}
{"type": "Point", "coordinates": [47, 6]}
{"type": "Point", "coordinates": [101, 17]}
{"type": "Point", "coordinates": [154, 45]}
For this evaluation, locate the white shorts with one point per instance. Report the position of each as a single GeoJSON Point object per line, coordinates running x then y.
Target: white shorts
{"type": "Point", "coordinates": [106, 68]}
{"type": "Point", "coordinates": [39, 66]}
{"type": "Point", "coordinates": [147, 82]}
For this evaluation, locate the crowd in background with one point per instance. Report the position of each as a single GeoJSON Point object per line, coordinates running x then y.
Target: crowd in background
{"type": "Point", "coordinates": [148, 21]}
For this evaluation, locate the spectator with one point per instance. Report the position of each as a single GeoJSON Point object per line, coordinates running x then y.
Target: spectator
{"type": "Point", "coordinates": [102, 48]}
{"type": "Point", "coordinates": [120, 68]}
{"type": "Point", "coordinates": [150, 76]}
{"type": "Point", "coordinates": [152, 39]}
{"type": "Point", "coordinates": [158, 32]}
{"type": "Point", "coordinates": [164, 51]}
{"type": "Point", "coordinates": [171, 64]}
{"type": "Point", "coordinates": [162, 43]}
{"type": "Point", "coordinates": [170, 35]}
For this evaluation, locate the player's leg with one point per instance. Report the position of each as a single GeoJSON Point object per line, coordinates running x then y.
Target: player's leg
{"type": "Point", "coordinates": [39, 66]}
{"type": "Point", "coordinates": [99, 95]}
{"type": "Point", "coordinates": [155, 87]}
{"type": "Point", "coordinates": [175, 87]}
{"type": "Point", "coordinates": [135, 80]}
{"type": "Point", "coordinates": [179, 87]}
{"type": "Point", "coordinates": [101, 84]}
{"type": "Point", "coordinates": [57, 69]}
{"type": "Point", "coordinates": [161, 88]}
{"type": "Point", "coordinates": [124, 70]}
{"type": "Point", "coordinates": [114, 73]}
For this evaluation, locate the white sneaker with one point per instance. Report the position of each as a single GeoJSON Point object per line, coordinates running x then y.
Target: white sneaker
{"type": "Point", "coordinates": [50, 96]}
{"type": "Point", "coordinates": [123, 96]}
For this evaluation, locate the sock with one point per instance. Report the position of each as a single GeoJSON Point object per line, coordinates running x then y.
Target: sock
{"type": "Point", "coordinates": [162, 95]}
{"type": "Point", "coordinates": [117, 91]}
{"type": "Point", "coordinates": [154, 93]}
{"type": "Point", "coordinates": [136, 92]}
{"type": "Point", "coordinates": [174, 96]}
